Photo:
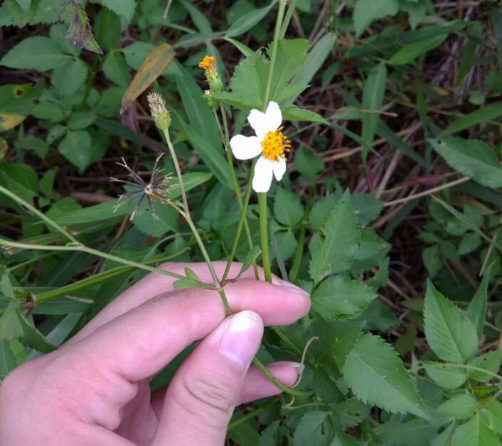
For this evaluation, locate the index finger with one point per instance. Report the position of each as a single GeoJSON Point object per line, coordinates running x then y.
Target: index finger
{"type": "Point", "coordinates": [154, 284]}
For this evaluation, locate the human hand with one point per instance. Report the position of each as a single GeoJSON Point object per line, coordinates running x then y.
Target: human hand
{"type": "Point", "coordinates": [95, 388]}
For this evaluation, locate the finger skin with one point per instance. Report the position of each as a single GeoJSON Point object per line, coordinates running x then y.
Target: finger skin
{"type": "Point", "coordinates": [155, 283]}
{"type": "Point", "coordinates": [206, 388]}
{"type": "Point", "coordinates": [255, 386]}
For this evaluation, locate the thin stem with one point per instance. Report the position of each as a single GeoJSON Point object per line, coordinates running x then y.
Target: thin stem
{"type": "Point", "coordinates": [178, 172]}
{"type": "Point", "coordinates": [252, 413]}
{"type": "Point", "coordinates": [226, 141]}
{"type": "Point", "coordinates": [275, 43]}
{"type": "Point", "coordinates": [278, 383]}
{"type": "Point", "coordinates": [265, 254]}
{"type": "Point", "coordinates": [301, 241]}
{"type": "Point", "coordinates": [38, 214]}
{"type": "Point", "coordinates": [288, 17]}
{"type": "Point", "coordinates": [242, 222]}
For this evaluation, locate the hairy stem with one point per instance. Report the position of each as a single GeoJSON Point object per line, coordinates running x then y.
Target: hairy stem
{"type": "Point", "coordinates": [265, 254]}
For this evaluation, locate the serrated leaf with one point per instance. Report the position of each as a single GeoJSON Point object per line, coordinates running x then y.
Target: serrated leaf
{"type": "Point", "coordinates": [472, 158]}
{"type": "Point", "coordinates": [410, 433]}
{"type": "Point", "coordinates": [366, 11]}
{"type": "Point", "coordinates": [35, 53]}
{"type": "Point", "coordinates": [311, 430]}
{"type": "Point", "coordinates": [69, 77]}
{"type": "Point", "coordinates": [451, 335]}
{"type": "Point", "coordinates": [76, 148]}
{"type": "Point", "coordinates": [308, 164]}
{"type": "Point", "coordinates": [377, 376]}
{"type": "Point", "coordinates": [444, 376]}
{"type": "Point", "coordinates": [152, 67]}
{"type": "Point", "coordinates": [493, 411]}
{"type": "Point", "coordinates": [459, 407]}
{"type": "Point", "coordinates": [124, 8]}
{"type": "Point", "coordinates": [7, 359]}
{"type": "Point", "coordinates": [321, 211]}
{"type": "Point", "coordinates": [79, 30]}
{"type": "Point", "coordinates": [288, 209]}
{"type": "Point", "coordinates": [25, 4]}
{"type": "Point", "coordinates": [339, 248]}
{"type": "Point", "coordinates": [488, 361]}
{"type": "Point", "coordinates": [475, 433]}
{"type": "Point", "coordinates": [341, 298]}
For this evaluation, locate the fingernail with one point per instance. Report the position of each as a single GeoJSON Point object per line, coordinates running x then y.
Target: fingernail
{"type": "Point", "coordinates": [241, 339]}
{"type": "Point", "coordinates": [294, 365]}
{"type": "Point", "coordinates": [294, 288]}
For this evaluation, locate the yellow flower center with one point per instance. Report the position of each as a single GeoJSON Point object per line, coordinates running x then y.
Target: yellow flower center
{"type": "Point", "coordinates": [275, 145]}
{"type": "Point", "coordinates": [208, 64]}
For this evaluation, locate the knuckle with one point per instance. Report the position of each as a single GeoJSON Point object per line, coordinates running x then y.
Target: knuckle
{"type": "Point", "coordinates": [210, 401]}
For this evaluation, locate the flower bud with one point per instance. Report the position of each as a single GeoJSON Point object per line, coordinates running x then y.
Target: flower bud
{"type": "Point", "coordinates": [158, 109]}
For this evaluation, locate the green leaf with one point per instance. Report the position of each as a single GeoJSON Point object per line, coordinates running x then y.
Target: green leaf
{"type": "Point", "coordinates": [366, 207]}
{"type": "Point", "coordinates": [481, 116]}
{"type": "Point", "coordinates": [416, 11]}
{"type": "Point", "coordinates": [321, 211]}
{"type": "Point", "coordinates": [33, 337]}
{"type": "Point", "coordinates": [476, 311]}
{"type": "Point", "coordinates": [248, 20]}
{"type": "Point", "coordinates": [368, 10]}
{"type": "Point", "coordinates": [472, 158]}
{"type": "Point", "coordinates": [312, 430]}
{"type": "Point", "coordinates": [475, 433]}
{"type": "Point", "coordinates": [288, 209]}
{"type": "Point", "coordinates": [308, 164]}
{"type": "Point", "coordinates": [116, 69]}
{"type": "Point", "coordinates": [35, 53]}
{"type": "Point", "coordinates": [294, 113]}
{"type": "Point", "coordinates": [410, 52]}
{"type": "Point", "coordinates": [79, 30]}
{"type": "Point", "coordinates": [493, 411]}
{"type": "Point", "coordinates": [459, 407]}
{"type": "Point", "coordinates": [249, 260]}
{"type": "Point", "coordinates": [315, 59]}
{"type": "Point", "coordinates": [377, 376]}
{"type": "Point", "coordinates": [451, 335]}
{"type": "Point", "coordinates": [69, 77]}
{"type": "Point", "coordinates": [339, 248]}
{"type": "Point", "coordinates": [410, 433]}
{"type": "Point", "coordinates": [445, 376]}
{"type": "Point", "coordinates": [166, 219]}
{"type": "Point", "coordinates": [488, 361]}
{"type": "Point", "coordinates": [124, 8]}
{"type": "Point", "coordinates": [341, 298]}
{"type": "Point", "coordinates": [76, 148]}
{"type": "Point", "coordinates": [25, 4]}
{"type": "Point", "coordinates": [374, 89]}
{"type": "Point", "coordinates": [7, 359]}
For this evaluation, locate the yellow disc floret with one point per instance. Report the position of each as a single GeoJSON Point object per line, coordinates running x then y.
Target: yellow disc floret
{"type": "Point", "coordinates": [208, 64]}
{"type": "Point", "coordinates": [275, 145]}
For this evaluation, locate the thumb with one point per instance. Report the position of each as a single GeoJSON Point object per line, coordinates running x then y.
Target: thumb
{"type": "Point", "coordinates": [202, 395]}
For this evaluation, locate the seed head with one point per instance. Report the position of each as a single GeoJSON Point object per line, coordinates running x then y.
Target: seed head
{"type": "Point", "coordinates": [158, 108]}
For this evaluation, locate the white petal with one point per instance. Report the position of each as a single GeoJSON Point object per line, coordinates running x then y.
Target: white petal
{"type": "Point", "coordinates": [262, 175]}
{"type": "Point", "coordinates": [279, 168]}
{"type": "Point", "coordinates": [258, 122]}
{"type": "Point", "coordinates": [245, 147]}
{"type": "Point", "coordinates": [274, 116]}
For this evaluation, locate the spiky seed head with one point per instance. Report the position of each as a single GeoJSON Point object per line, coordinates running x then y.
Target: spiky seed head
{"type": "Point", "coordinates": [160, 115]}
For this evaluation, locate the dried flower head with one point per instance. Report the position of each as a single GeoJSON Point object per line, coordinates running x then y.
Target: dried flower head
{"type": "Point", "coordinates": [156, 189]}
{"type": "Point", "coordinates": [159, 111]}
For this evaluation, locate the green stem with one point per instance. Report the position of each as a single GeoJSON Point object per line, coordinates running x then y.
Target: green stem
{"type": "Point", "coordinates": [288, 17]}
{"type": "Point", "coordinates": [38, 214]}
{"type": "Point", "coordinates": [265, 254]}
{"type": "Point", "coordinates": [242, 222]}
{"type": "Point", "coordinates": [293, 274]}
{"type": "Point", "coordinates": [178, 173]}
{"type": "Point", "coordinates": [252, 413]}
{"type": "Point", "coordinates": [278, 383]}
{"type": "Point", "coordinates": [226, 141]}
{"type": "Point", "coordinates": [275, 43]}
{"type": "Point", "coordinates": [97, 278]}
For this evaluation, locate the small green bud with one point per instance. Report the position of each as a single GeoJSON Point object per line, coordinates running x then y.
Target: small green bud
{"type": "Point", "coordinates": [160, 115]}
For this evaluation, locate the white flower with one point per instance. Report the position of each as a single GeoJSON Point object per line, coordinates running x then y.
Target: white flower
{"type": "Point", "coordinates": [269, 141]}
